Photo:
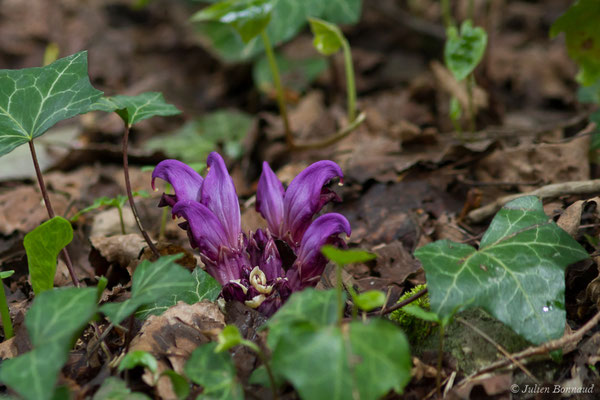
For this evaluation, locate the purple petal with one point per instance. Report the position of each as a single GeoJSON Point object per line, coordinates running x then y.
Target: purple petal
{"type": "Point", "coordinates": [310, 263]}
{"type": "Point", "coordinates": [264, 254]}
{"type": "Point", "coordinates": [186, 182]}
{"type": "Point", "coordinates": [305, 197]}
{"type": "Point", "coordinates": [269, 199]}
{"type": "Point", "coordinates": [218, 194]}
{"type": "Point", "coordinates": [232, 265]}
{"type": "Point", "coordinates": [203, 226]}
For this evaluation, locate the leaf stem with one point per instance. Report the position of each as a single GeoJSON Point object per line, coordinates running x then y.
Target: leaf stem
{"type": "Point", "coordinates": [339, 290]}
{"type": "Point", "coordinates": [403, 303]}
{"type": "Point", "coordinates": [130, 194]}
{"type": "Point", "coordinates": [350, 83]}
{"type": "Point", "coordinates": [471, 105]}
{"type": "Point", "coordinates": [254, 347]}
{"type": "Point", "coordinates": [5, 313]}
{"type": "Point", "coordinates": [278, 87]}
{"type": "Point", "coordinates": [342, 133]}
{"type": "Point", "coordinates": [120, 210]}
{"type": "Point", "coordinates": [448, 21]}
{"type": "Point", "coordinates": [438, 378]}
{"type": "Point", "coordinates": [40, 179]}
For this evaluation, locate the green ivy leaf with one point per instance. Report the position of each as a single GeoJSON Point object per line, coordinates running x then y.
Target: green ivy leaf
{"type": "Point", "coordinates": [324, 362]}
{"type": "Point", "coordinates": [53, 321]}
{"type": "Point", "coordinates": [463, 52]}
{"type": "Point", "coordinates": [517, 275]}
{"type": "Point", "coordinates": [34, 99]}
{"type": "Point", "coordinates": [151, 281]}
{"type": "Point", "coordinates": [205, 287]}
{"type": "Point", "coordinates": [580, 25]}
{"type": "Point", "coordinates": [345, 257]}
{"type": "Point", "coordinates": [328, 37]}
{"type": "Point", "coordinates": [248, 17]}
{"type": "Point", "coordinates": [181, 387]}
{"type": "Point", "coordinates": [138, 358]}
{"type": "Point", "coordinates": [6, 274]}
{"type": "Point", "coordinates": [197, 138]}
{"type": "Point", "coordinates": [215, 372]}
{"type": "Point", "coordinates": [288, 17]}
{"type": "Point", "coordinates": [133, 109]}
{"type": "Point", "coordinates": [229, 337]}
{"type": "Point", "coordinates": [369, 300]}
{"type": "Point", "coordinates": [42, 246]}
{"type": "Point", "coordinates": [115, 389]}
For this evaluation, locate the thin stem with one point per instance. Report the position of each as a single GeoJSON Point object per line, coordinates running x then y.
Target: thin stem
{"type": "Point", "coordinates": [470, 85]}
{"type": "Point", "coordinates": [278, 87]}
{"type": "Point", "coordinates": [404, 302]}
{"type": "Point", "coordinates": [5, 313]}
{"type": "Point", "coordinates": [334, 138]}
{"type": "Point", "coordinates": [265, 362]}
{"type": "Point", "coordinates": [350, 84]}
{"type": "Point", "coordinates": [438, 378]}
{"type": "Point", "coordinates": [120, 209]}
{"type": "Point", "coordinates": [339, 289]}
{"type": "Point", "coordinates": [40, 179]}
{"type": "Point", "coordinates": [448, 21]}
{"type": "Point", "coordinates": [130, 194]}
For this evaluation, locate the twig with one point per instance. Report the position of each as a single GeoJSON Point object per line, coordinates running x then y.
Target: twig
{"type": "Point", "coordinates": [497, 346]}
{"type": "Point", "coordinates": [543, 349]}
{"type": "Point", "coordinates": [402, 303]}
{"type": "Point", "coordinates": [548, 191]}
{"type": "Point", "coordinates": [130, 194]}
{"type": "Point", "coordinates": [40, 179]}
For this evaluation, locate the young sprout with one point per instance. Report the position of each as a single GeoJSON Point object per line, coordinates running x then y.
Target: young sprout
{"type": "Point", "coordinates": [4, 312]}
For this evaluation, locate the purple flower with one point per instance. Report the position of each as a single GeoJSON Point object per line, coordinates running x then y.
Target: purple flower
{"type": "Point", "coordinates": [250, 268]}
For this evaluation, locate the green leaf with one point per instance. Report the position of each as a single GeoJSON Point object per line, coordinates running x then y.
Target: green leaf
{"type": "Point", "coordinates": [42, 246]}
{"type": "Point", "coordinates": [115, 389]}
{"type": "Point", "coordinates": [54, 320]}
{"type": "Point", "coordinates": [34, 99]}
{"type": "Point", "coordinates": [345, 257]}
{"type": "Point", "coordinates": [366, 361]}
{"type": "Point", "coordinates": [215, 372]}
{"type": "Point", "coordinates": [181, 387]}
{"type": "Point", "coordinates": [118, 202]}
{"type": "Point", "coordinates": [463, 52]}
{"type": "Point", "coordinates": [418, 312]}
{"type": "Point", "coordinates": [229, 337]}
{"type": "Point", "coordinates": [6, 274]}
{"type": "Point", "coordinates": [517, 275]}
{"type": "Point", "coordinates": [455, 109]}
{"type": "Point", "coordinates": [288, 17]}
{"type": "Point", "coordinates": [580, 25]}
{"type": "Point", "coordinates": [102, 283]}
{"type": "Point", "coordinates": [138, 358]}
{"type": "Point", "coordinates": [328, 37]}
{"type": "Point", "coordinates": [197, 138]}
{"type": "Point", "coordinates": [248, 17]}
{"type": "Point", "coordinates": [296, 74]}
{"type": "Point", "coordinates": [317, 307]}
{"type": "Point", "coordinates": [133, 109]}
{"type": "Point", "coordinates": [151, 281]}
{"type": "Point", "coordinates": [369, 300]}
{"type": "Point", "coordinates": [205, 287]}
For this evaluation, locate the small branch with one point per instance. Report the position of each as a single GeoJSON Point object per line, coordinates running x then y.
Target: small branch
{"type": "Point", "coordinates": [332, 139]}
{"type": "Point", "coordinates": [130, 194]}
{"type": "Point", "coordinates": [548, 191]}
{"type": "Point", "coordinates": [46, 197]}
{"type": "Point", "coordinates": [403, 303]}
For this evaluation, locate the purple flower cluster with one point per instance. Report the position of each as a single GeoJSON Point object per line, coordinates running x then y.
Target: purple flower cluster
{"type": "Point", "coordinates": [250, 267]}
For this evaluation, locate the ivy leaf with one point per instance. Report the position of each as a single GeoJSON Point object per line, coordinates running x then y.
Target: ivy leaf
{"type": "Point", "coordinates": [248, 17]}
{"type": "Point", "coordinates": [133, 109]}
{"type": "Point", "coordinates": [288, 17]}
{"type": "Point", "coordinates": [34, 99]}
{"type": "Point", "coordinates": [138, 358]}
{"type": "Point", "coordinates": [464, 51]}
{"type": "Point", "coordinates": [215, 372]}
{"type": "Point", "coordinates": [115, 389]}
{"type": "Point", "coordinates": [42, 246]}
{"type": "Point", "coordinates": [324, 362]}
{"type": "Point", "coordinates": [369, 300]}
{"type": "Point", "coordinates": [53, 321]}
{"type": "Point", "coordinates": [580, 25]}
{"type": "Point", "coordinates": [151, 281]}
{"type": "Point", "coordinates": [205, 287]}
{"type": "Point", "coordinates": [197, 138]}
{"type": "Point", "coordinates": [328, 37]}
{"type": "Point", "coordinates": [181, 387]}
{"type": "Point", "coordinates": [517, 275]}
{"type": "Point", "coordinates": [345, 257]}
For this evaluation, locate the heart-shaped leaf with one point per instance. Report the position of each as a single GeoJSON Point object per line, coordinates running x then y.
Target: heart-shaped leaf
{"type": "Point", "coordinates": [328, 37]}
{"type": "Point", "coordinates": [215, 372]}
{"type": "Point", "coordinates": [133, 109]}
{"type": "Point", "coordinates": [151, 281]}
{"type": "Point", "coordinates": [326, 362]}
{"type": "Point", "coordinates": [580, 25]}
{"type": "Point", "coordinates": [517, 274]}
{"type": "Point", "coordinates": [42, 246]}
{"type": "Point", "coordinates": [138, 358]}
{"type": "Point", "coordinates": [463, 52]}
{"type": "Point", "coordinates": [345, 257]}
{"type": "Point", "coordinates": [248, 17]}
{"type": "Point", "coordinates": [34, 99]}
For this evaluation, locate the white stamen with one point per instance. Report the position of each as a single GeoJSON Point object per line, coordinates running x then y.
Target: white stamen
{"type": "Point", "coordinates": [256, 301]}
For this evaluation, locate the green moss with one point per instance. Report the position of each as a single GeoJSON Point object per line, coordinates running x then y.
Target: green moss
{"type": "Point", "coordinates": [416, 329]}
